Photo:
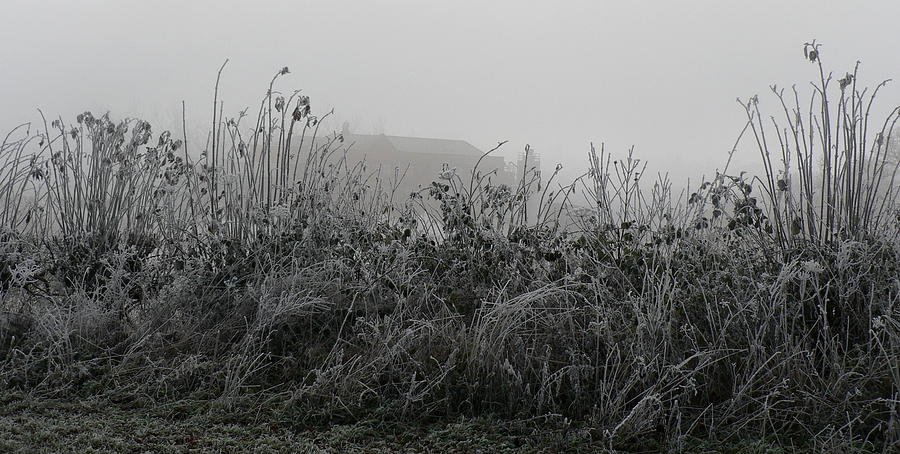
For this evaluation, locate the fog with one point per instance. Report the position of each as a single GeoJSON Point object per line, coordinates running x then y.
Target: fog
{"type": "Point", "coordinates": [661, 76]}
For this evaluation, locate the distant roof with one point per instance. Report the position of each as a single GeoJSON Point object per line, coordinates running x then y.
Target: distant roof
{"type": "Point", "coordinates": [413, 144]}
{"type": "Point", "coordinates": [436, 146]}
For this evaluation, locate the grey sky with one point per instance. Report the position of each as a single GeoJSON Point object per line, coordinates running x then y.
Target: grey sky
{"type": "Point", "coordinates": [660, 75]}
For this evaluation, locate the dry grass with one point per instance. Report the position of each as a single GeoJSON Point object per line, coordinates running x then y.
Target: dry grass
{"type": "Point", "coordinates": [276, 280]}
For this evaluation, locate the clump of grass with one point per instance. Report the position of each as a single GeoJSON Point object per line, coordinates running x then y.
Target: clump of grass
{"type": "Point", "coordinates": [836, 179]}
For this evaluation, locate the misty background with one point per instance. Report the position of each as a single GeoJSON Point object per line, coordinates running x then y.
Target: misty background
{"type": "Point", "coordinates": [661, 76]}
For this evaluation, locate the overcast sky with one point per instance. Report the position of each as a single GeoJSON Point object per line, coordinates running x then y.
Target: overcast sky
{"type": "Point", "coordinates": [660, 75]}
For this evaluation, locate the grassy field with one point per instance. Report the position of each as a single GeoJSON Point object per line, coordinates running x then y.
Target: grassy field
{"type": "Point", "coordinates": [264, 292]}
{"type": "Point", "coordinates": [99, 426]}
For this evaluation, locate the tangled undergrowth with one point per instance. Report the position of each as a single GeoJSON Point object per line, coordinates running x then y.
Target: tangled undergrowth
{"type": "Point", "coordinates": [275, 279]}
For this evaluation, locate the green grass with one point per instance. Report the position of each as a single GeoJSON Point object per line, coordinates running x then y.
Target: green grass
{"type": "Point", "coordinates": [82, 427]}
{"type": "Point", "coordinates": [99, 426]}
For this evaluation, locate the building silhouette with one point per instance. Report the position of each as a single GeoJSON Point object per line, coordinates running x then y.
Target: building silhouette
{"type": "Point", "coordinates": [421, 161]}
